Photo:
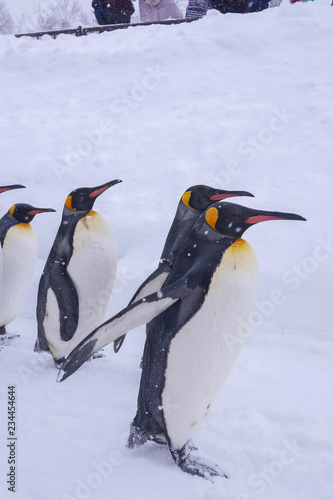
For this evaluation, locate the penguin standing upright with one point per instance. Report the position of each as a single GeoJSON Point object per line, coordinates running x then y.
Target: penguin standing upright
{"type": "Point", "coordinates": [19, 256]}
{"type": "Point", "coordinates": [3, 189]}
{"type": "Point", "coordinates": [188, 354]}
{"type": "Point", "coordinates": [78, 277]}
{"type": "Point", "coordinates": [192, 204]}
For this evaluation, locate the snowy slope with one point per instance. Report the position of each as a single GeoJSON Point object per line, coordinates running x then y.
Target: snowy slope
{"type": "Point", "coordinates": [237, 102]}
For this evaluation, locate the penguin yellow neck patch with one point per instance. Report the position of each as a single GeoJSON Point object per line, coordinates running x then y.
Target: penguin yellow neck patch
{"type": "Point", "coordinates": [92, 213]}
{"type": "Point", "coordinates": [186, 199]}
{"type": "Point", "coordinates": [212, 214]}
{"type": "Point", "coordinates": [239, 247]}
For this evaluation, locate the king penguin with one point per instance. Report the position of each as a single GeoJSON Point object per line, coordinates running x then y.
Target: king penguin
{"type": "Point", "coordinates": [3, 189]}
{"type": "Point", "coordinates": [194, 201]}
{"type": "Point", "coordinates": [78, 277]}
{"type": "Point", "coordinates": [188, 351]}
{"type": "Point", "coordinates": [19, 256]}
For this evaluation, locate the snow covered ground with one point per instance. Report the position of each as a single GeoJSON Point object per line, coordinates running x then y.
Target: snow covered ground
{"type": "Point", "coordinates": [237, 102]}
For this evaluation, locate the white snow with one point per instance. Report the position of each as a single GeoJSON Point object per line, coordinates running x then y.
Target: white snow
{"type": "Point", "coordinates": [237, 102]}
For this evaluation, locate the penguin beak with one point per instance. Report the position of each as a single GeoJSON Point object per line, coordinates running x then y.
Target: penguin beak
{"type": "Point", "coordinates": [229, 194]}
{"type": "Point", "coordinates": [98, 190]}
{"type": "Point", "coordinates": [36, 211]}
{"type": "Point", "coordinates": [262, 216]}
{"type": "Point", "coordinates": [3, 189]}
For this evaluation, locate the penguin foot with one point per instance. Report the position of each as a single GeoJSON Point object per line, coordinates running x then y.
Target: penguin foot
{"type": "Point", "coordinates": [2, 330]}
{"type": "Point", "coordinates": [39, 347]}
{"type": "Point", "coordinates": [7, 339]}
{"type": "Point", "coordinates": [59, 362]}
{"type": "Point", "coordinates": [159, 439]}
{"type": "Point", "coordinates": [137, 437]}
{"type": "Point", "coordinates": [98, 354]}
{"type": "Point", "coordinates": [195, 465]}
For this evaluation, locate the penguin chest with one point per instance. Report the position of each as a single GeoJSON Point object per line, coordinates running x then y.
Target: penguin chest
{"type": "Point", "coordinates": [201, 354]}
{"type": "Point", "coordinates": [19, 256]}
{"type": "Point", "coordinates": [92, 268]}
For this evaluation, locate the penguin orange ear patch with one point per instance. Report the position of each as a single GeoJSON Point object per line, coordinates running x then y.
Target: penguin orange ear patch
{"type": "Point", "coordinates": [68, 203]}
{"type": "Point", "coordinates": [11, 210]}
{"type": "Point", "coordinates": [186, 198]}
{"type": "Point", "coordinates": [212, 214]}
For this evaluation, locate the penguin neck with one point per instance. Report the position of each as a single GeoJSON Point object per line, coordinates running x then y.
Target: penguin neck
{"type": "Point", "coordinates": [186, 213]}
{"type": "Point", "coordinates": [62, 248]}
{"type": "Point", "coordinates": [204, 232]}
{"type": "Point", "coordinates": [6, 222]}
{"type": "Point", "coordinates": [184, 220]}
{"type": "Point", "coordinates": [70, 218]}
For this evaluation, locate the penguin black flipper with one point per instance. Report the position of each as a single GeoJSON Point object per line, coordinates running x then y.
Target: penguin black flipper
{"type": "Point", "coordinates": [152, 284]}
{"type": "Point", "coordinates": [141, 312]}
{"type": "Point", "coordinates": [67, 299]}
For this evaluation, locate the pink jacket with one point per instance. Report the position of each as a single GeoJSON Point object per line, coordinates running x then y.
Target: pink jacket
{"type": "Point", "coordinates": [165, 9]}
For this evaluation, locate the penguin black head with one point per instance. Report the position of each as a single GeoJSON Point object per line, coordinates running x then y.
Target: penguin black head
{"type": "Point", "coordinates": [23, 213]}
{"type": "Point", "coordinates": [83, 199]}
{"type": "Point", "coordinates": [233, 220]}
{"type": "Point", "coordinates": [200, 197]}
{"type": "Point", "coordinates": [3, 189]}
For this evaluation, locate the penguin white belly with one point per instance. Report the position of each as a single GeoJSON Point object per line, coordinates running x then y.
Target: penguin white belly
{"type": "Point", "coordinates": [19, 256]}
{"type": "Point", "coordinates": [92, 268]}
{"type": "Point", "coordinates": [153, 286]}
{"type": "Point", "coordinates": [201, 354]}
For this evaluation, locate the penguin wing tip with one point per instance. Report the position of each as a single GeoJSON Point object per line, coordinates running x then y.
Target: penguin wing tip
{"type": "Point", "coordinates": [61, 376]}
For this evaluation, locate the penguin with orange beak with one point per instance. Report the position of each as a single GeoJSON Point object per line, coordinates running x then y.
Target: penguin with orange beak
{"type": "Point", "coordinates": [194, 201]}
{"type": "Point", "coordinates": [78, 277]}
{"type": "Point", "coordinates": [3, 189]}
{"type": "Point", "coordinates": [19, 257]}
{"type": "Point", "coordinates": [188, 353]}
